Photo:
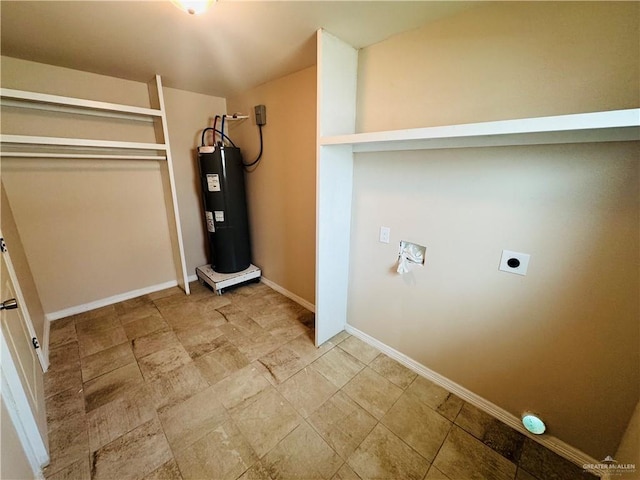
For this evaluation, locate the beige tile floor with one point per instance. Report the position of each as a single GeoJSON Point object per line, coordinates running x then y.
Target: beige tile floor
{"type": "Point", "coordinates": [167, 386]}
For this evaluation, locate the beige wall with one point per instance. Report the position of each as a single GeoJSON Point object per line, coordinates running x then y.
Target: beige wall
{"type": "Point", "coordinates": [500, 61]}
{"type": "Point", "coordinates": [564, 340]}
{"type": "Point", "coordinates": [94, 229]}
{"type": "Point", "coordinates": [561, 341]}
{"type": "Point", "coordinates": [281, 190]}
{"type": "Point", "coordinates": [187, 115]}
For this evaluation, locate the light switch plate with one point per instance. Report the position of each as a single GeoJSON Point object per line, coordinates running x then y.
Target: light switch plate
{"type": "Point", "coordinates": [385, 234]}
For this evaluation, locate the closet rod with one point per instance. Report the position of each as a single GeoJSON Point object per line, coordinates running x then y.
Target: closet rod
{"type": "Point", "coordinates": [81, 156]}
{"type": "Point", "coordinates": [79, 142]}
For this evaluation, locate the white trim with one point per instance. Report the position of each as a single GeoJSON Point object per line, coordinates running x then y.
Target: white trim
{"type": "Point", "coordinates": [44, 343]}
{"type": "Point", "coordinates": [552, 443]}
{"type": "Point", "coordinates": [192, 278]}
{"type": "Point", "coordinates": [20, 412]}
{"type": "Point", "coordinates": [121, 297]}
{"type": "Point", "coordinates": [336, 115]}
{"type": "Point", "coordinates": [42, 357]}
{"type": "Point", "coordinates": [299, 300]}
{"type": "Point", "coordinates": [179, 256]}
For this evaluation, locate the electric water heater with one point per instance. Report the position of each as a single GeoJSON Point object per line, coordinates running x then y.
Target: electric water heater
{"type": "Point", "coordinates": [225, 205]}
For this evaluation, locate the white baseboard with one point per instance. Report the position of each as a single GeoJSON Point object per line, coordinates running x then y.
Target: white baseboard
{"type": "Point", "coordinates": [52, 316]}
{"type": "Point", "coordinates": [552, 443]}
{"type": "Point", "coordinates": [108, 301]}
{"type": "Point", "coordinates": [299, 300]}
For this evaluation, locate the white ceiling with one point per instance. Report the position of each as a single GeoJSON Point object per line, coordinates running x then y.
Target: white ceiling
{"type": "Point", "coordinates": [234, 46]}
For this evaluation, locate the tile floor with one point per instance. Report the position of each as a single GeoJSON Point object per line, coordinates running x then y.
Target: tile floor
{"type": "Point", "coordinates": [167, 386]}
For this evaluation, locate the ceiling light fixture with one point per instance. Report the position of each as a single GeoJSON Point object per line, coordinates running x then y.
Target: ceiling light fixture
{"type": "Point", "coordinates": [193, 7]}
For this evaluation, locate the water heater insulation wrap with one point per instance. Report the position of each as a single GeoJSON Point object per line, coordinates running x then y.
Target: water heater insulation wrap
{"type": "Point", "coordinates": [222, 182]}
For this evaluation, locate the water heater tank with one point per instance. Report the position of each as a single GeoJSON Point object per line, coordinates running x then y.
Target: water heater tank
{"type": "Point", "coordinates": [222, 180]}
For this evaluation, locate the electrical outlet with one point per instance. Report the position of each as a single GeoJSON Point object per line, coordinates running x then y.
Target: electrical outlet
{"type": "Point", "coordinates": [385, 234]}
{"type": "Point", "coordinates": [514, 262]}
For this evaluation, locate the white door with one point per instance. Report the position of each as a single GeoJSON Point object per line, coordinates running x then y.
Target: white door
{"type": "Point", "coordinates": [22, 376]}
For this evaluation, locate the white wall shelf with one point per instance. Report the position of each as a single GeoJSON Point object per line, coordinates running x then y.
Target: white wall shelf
{"type": "Point", "coordinates": [611, 126]}
{"type": "Point", "coordinates": [67, 148]}
{"type": "Point", "coordinates": [57, 103]}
